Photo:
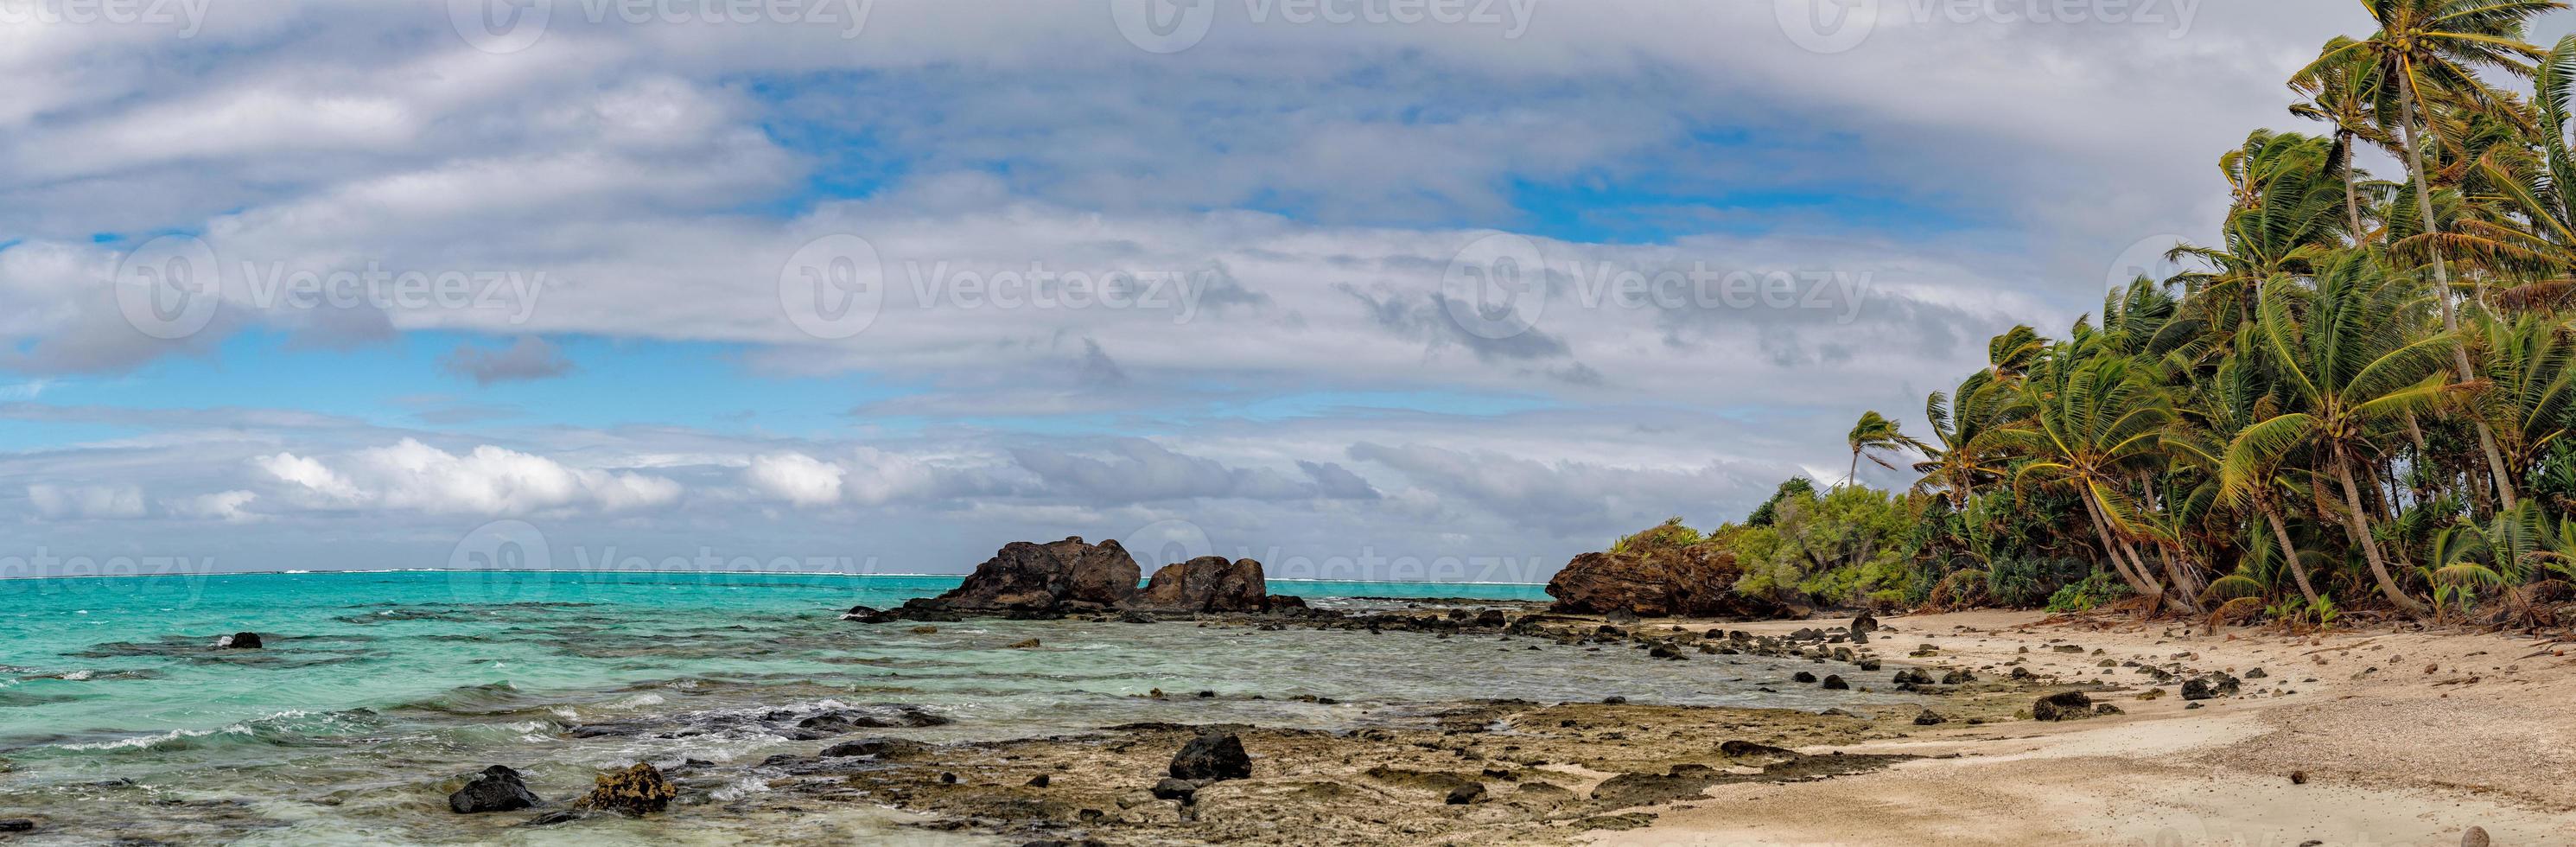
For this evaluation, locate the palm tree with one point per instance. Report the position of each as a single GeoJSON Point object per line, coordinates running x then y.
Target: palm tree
{"type": "Point", "coordinates": [2343, 354]}
{"type": "Point", "coordinates": [2282, 222]}
{"type": "Point", "coordinates": [2092, 420]}
{"type": "Point", "coordinates": [2229, 401]}
{"type": "Point", "coordinates": [1960, 455]}
{"type": "Point", "coordinates": [2345, 94]}
{"type": "Point", "coordinates": [1874, 433]}
{"type": "Point", "coordinates": [2435, 48]}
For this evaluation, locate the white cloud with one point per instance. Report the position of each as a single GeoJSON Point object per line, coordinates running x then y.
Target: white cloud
{"type": "Point", "coordinates": [487, 480]}
{"type": "Point", "coordinates": [227, 506]}
{"type": "Point", "coordinates": [796, 478]}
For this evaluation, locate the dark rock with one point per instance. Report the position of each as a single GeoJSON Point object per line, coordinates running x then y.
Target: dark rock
{"type": "Point", "coordinates": [1957, 677]}
{"type": "Point", "coordinates": [2298, 777]}
{"type": "Point", "coordinates": [878, 747]}
{"type": "Point", "coordinates": [2107, 709]}
{"type": "Point", "coordinates": [239, 641]}
{"type": "Point", "coordinates": [1613, 700]}
{"type": "Point", "coordinates": [636, 791]}
{"type": "Point", "coordinates": [496, 789]}
{"type": "Point", "coordinates": [1623, 615]}
{"type": "Point", "coordinates": [1489, 617]}
{"type": "Point", "coordinates": [1864, 623]}
{"type": "Point", "coordinates": [866, 614]}
{"type": "Point", "coordinates": [2475, 837]}
{"type": "Point", "coordinates": [1206, 584]}
{"type": "Point", "coordinates": [1834, 682]}
{"type": "Point", "coordinates": [1176, 789]}
{"type": "Point", "coordinates": [2062, 706]}
{"type": "Point", "coordinates": [1026, 577]}
{"type": "Point", "coordinates": [2211, 686]}
{"type": "Point", "coordinates": [1930, 718]}
{"type": "Point", "coordinates": [1802, 676]}
{"type": "Point", "coordinates": [1212, 757]}
{"type": "Point", "coordinates": [1028, 644]}
{"type": "Point", "coordinates": [17, 825]}
{"type": "Point", "coordinates": [1465, 794]}
{"type": "Point", "coordinates": [1040, 781]}
{"type": "Point", "coordinates": [1658, 580]}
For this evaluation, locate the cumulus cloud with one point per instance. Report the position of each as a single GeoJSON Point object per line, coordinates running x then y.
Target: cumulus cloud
{"type": "Point", "coordinates": [487, 480]}
{"type": "Point", "coordinates": [796, 478]}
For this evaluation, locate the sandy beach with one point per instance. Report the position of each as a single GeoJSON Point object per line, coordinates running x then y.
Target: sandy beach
{"type": "Point", "coordinates": [2404, 737]}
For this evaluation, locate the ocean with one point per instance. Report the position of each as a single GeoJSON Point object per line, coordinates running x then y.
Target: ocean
{"type": "Point", "coordinates": [119, 719]}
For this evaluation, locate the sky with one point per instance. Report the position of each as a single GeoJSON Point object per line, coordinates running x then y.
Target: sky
{"type": "Point", "coordinates": [1363, 289]}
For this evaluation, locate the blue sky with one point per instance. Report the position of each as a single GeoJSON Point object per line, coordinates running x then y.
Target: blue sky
{"type": "Point", "coordinates": [1314, 203]}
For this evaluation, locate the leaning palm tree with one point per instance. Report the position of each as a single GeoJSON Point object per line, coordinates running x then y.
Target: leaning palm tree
{"type": "Point", "coordinates": [2224, 404]}
{"type": "Point", "coordinates": [2282, 221]}
{"type": "Point", "coordinates": [1960, 455]}
{"type": "Point", "coordinates": [2091, 422]}
{"type": "Point", "coordinates": [1874, 434]}
{"type": "Point", "coordinates": [2343, 352]}
{"type": "Point", "coordinates": [2427, 49]}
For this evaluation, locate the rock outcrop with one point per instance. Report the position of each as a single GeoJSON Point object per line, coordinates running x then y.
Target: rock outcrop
{"type": "Point", "coordinates": [239, 641]}
{"type": "Point", "coordinates": [1206, 584]}
{"type": "Point", "coordinates": [1027, 578]}
{"type": "Point", "coordinates": [1070, 577]}
{"type": "Point", "coordinates": [1212, 757]}
{"type": "Point", "coordinates": [1658, 582]}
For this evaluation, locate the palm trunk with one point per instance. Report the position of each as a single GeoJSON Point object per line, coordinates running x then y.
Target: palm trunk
{"type": "Point", "coordinates": [2358, 523]}
{"type": "Point", "coordinates": [2112, 548]}
{"type": "Point", "coordinates": [2442, 278]}
{"type": "Point", "coordinates": [2351, 192]}
{"type": "Point", "coordinates": [2188, 593]}
{"type": "Point", "coordinates": [2289, 550]}
{"type": "Point", "coordinates": [1848, 478]}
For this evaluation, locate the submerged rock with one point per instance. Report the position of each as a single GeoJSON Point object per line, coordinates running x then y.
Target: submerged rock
{"type": "Point", "coordinates": [239, 641]}
{"type": "Point", "coordinates": [1212, 757]}
{"type": "Point", "coordinates": [636, 791]}
{"type": "Point", "coordinates": [17, 825]}
{"type": "Point", "coordinates": [496, 789]}
{"type": "Point", "coordinates": [1176, 789]}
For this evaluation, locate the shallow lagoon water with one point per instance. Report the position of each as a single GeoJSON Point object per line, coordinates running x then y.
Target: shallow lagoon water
{"type": "Point", "coordinates": [119, 719]}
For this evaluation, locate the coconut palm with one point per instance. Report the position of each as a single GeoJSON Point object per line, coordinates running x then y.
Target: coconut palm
{"type": "Point", "coordinates": [2345, 94]}
{"type": "Point", "coordinates": [2434, 49]}
{"type": "Point", "coordinates": [1960, 456]}
{"type": "Point", "coordinates": [2092, 419]}
{"type": "Point", "coordinates": [1872, 435]}
{"type": "Point", "coordinates": [2344, 355]}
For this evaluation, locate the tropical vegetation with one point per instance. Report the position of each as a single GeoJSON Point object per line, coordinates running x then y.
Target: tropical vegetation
{"type": "Point", "coordinates": [2358, 400]}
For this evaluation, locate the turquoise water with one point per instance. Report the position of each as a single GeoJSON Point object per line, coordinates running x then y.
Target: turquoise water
{"type": "Point", "coordinates": [119, 719]}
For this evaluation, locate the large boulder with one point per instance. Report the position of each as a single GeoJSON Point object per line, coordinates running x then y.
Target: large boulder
{"type": "Point", "coordinates": [1206, 584]}
{"type": "Point", "coordinates": [1028, 577]}
{"type": "Point", "coordinates": [496, 789]}
{"type": "Point", "coordinates": [1659, 581]}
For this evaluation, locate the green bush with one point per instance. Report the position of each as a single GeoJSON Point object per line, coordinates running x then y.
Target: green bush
{"type": "Point", "coordinates": [2088, 594]}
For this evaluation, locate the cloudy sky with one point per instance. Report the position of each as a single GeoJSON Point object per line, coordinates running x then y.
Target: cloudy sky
{"type": "Point", "coordinates": [1360, 288]}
